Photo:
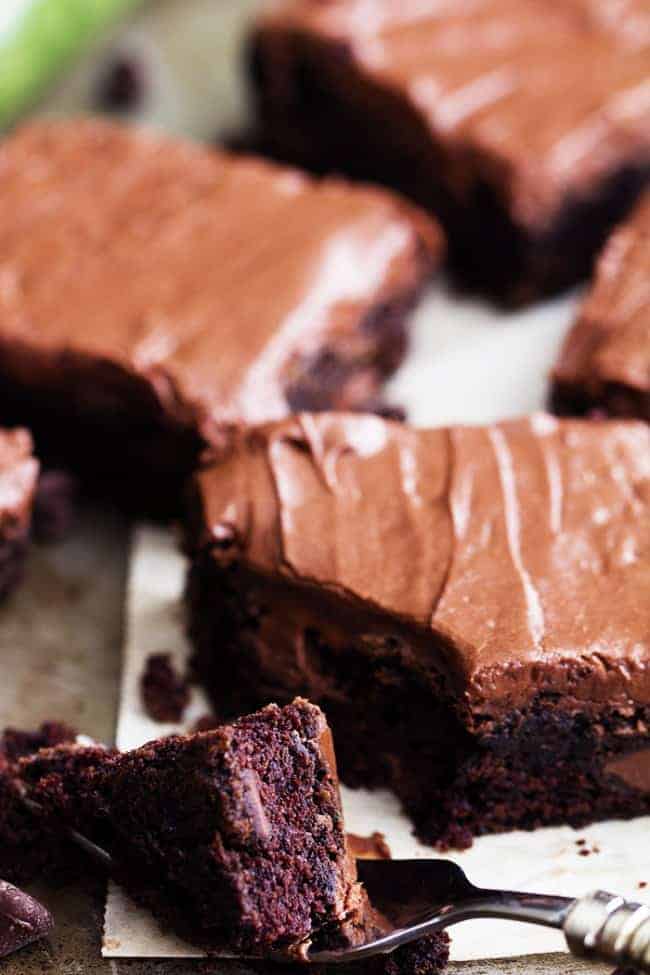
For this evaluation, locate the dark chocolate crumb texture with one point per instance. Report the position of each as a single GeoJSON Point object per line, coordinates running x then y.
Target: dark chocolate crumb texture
{"type": "Point", "coordinates": [524, 124]}
{"type": "Point", "coordinates": [18, 479]}
{"type": "Point", "coordinates": [604, 365]}
{"type": "Point", "coordinates": [31, 847]}
{"type": "Point", "coordinates": [156, 292]}
{"type": "Point", "coordinates": [233, 837]}
{"type": "Point", "coordinates": [473, 601]}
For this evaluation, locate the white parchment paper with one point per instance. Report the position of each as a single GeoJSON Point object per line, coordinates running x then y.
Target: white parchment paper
{"type": "Point", "coordinates": [468, 363]}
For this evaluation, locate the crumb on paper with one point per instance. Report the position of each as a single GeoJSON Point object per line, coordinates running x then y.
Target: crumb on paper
{"type": "Point", "coordinates": [165, 692]}
{"type": "Point", "coordinates": [373, 847]}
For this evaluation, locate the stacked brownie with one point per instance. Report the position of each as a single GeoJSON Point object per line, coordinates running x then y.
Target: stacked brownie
{"type": "Point", "coordinates": [524, 124]}
{"type": "Point", "coordinates": [473, 601]}
{"type": "Point", "coordinates": [18, 479]}
{"type": "Point", "coordinates": [154, 293]}
{"type": "Point", "coordinates": [604, 365]}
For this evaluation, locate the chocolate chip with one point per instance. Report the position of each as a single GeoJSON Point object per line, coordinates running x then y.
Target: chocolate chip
{"type": "Point", "coordinates": [22, 919]}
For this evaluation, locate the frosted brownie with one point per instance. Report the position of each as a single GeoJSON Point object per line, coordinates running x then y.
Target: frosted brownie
{"type": "Point", "coordinates": [524, 124]}
{"type": "Point", "coordinates": [154, 292]}
{"type": "Point", "coordinates": [604, 364]}
{"type": "Point", "coordinates": [233, 837]}
{"type": "Point", "coordinates": [18, 479]}
{"type": "Point", "coordinates": [472, 601]}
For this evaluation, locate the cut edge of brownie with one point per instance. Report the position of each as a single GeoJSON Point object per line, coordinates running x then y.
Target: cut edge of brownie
{"type": "Point", "coordinates": [232, 837]}
{"type": "Point", "coordinates": [458, 774]}
{"type": "Point", "coordinates": [105, 445]}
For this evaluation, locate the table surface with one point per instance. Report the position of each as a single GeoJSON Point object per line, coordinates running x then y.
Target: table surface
{"type": "Point", "coordinates": [60, 640]}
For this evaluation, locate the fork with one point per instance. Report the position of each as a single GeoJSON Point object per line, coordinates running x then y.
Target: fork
{"type": "Point", "coordinates": [414, 898]}
{"type": "Point", "coordinates": [417, 897]}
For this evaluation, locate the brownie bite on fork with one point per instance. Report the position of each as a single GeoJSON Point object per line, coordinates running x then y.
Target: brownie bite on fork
{"type": "Point", "coordinates": [233, 837]}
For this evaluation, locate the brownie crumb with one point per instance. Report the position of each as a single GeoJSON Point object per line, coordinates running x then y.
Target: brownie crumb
{"type": "Point", "coordinates": [122, 86]}
{"type": "Point", "coordinates": [373, 847]}
{"type": "Point", "coordinates": [16, 744]}
{"type": "Point", "coordinates": [642, 884]}
{"type": "Point", "coordinates": [22, 919]}
{"type": "Point", "coordinates": [165, 693]}
{"type": "Point", "coordinates": [54, 506]}
{"type": "Point", "coordinates": [424, 957]}
{"type": "Point", "coordinates": [207, 722]}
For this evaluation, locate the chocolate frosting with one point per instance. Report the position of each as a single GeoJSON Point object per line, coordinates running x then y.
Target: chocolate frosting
{"type": "Point", "coordinates": [518, 554]}
{"type": "Point", "coordinates": [18, 476]}
{"type": "Point", "coordinates": [541, 98]}
{"type": "Point", "coordinates": [610, 342]}
{"type": "Point", "coordinates": [206, 275]}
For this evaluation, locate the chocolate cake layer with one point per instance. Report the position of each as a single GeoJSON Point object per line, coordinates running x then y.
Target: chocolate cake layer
{"type": "Point", "coordinates": [154, 292]}
{"type": "Point", "coordinates": [471, 600]}
{"type": "Point", "coordinates": [234, 837]}
{"type": "Point", "coordinates": [604, 364]}
{"type": "Point", "coordinates": [523, 124]}
{"type": "Point", "coordinates": [18, 478]}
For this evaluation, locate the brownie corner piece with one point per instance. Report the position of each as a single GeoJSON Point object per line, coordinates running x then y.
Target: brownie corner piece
{"type": "Point", "coordinates": [219, 289]}
{"type": "Point", "coordinates": [469, 600]}
{"type": "Point", "coordinates": [604, 365]}
{"type": "Point", "coordinates": [465, 110]}
{"type": "Point", "coordinates": [233, 837]}
{"type": "Point", "coordinates": [18, 480]}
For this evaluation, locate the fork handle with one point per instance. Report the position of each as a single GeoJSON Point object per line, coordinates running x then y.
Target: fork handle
{"type": "Point", "coordinates": [609, 928]}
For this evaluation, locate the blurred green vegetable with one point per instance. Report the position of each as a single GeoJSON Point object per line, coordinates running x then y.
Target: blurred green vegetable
{"type": "Point", "coordinates": [46, 36]}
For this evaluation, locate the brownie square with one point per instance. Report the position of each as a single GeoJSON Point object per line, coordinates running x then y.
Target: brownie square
{"type": "Point", "coordinates": [154, 293]}
{"type": "Point", "coordinates": [523, 124]}
{"type": "Point", "coordinates": [233, 837]}
{"type": "Point", "coordinates": [604, 365]}
{"type": "Point", "coordinates": [472, 601]}
{"type": "Point", "coordinates": [18, 478]}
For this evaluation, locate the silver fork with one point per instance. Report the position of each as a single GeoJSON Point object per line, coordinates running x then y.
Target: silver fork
{"type": "Point", "coordinates": [414, 898]}
{"type": "Point", "coordinates": [418, 897]}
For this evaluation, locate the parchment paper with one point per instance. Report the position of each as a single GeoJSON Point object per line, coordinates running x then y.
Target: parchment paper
{"type": "Point", "coordinates": [467, 363]}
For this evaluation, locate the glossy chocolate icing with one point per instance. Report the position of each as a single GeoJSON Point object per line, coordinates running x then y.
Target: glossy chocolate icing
{"type": "Point", "coordinates": [540, 99]}
{"type": "Point", "coordinates": [18, 477]}
{"type": "Point", "coordinates": [201, 276]}
{"type": "Point", "coordinates": [517, 555]}
{"type": "Point", "coordinates": [610, 343]}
